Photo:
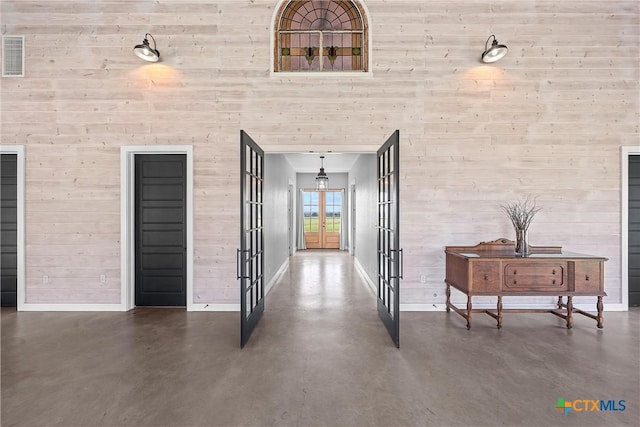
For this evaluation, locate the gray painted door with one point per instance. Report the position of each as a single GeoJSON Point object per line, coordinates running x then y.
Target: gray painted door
{"type": "Point", "coordinates": [389, 251]}
{"type": "Point", "coordinates": [634, 231]}
{"type": "Point", "coordinates": [161, 207]}
{"type": "Point", "coordinates": [250, 256]}
{"type": "Point", "coordinates": [8, 230]}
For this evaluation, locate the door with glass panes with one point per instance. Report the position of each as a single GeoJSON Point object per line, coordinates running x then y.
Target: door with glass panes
{"type": "Point", "coordinates": [322, 219]}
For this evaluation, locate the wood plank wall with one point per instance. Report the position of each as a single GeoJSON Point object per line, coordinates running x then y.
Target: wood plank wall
{"type": "Point", "coordinates": [548, 121]}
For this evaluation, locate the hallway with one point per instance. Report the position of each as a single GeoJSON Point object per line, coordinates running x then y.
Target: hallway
{"type": "Point", "coordinates": [320, 356]}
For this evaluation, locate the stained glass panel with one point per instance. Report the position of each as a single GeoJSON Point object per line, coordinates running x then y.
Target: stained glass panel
{"type": "Point", "coordinates": [321, 35]}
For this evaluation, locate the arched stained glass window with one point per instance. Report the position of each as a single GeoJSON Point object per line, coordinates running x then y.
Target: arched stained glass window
{"type": "Point", "coordinates": [321, 35]}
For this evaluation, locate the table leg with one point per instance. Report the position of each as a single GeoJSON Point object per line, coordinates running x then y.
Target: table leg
{"type": "Point", "coordinates": [569, 312]}
{"type": "Point", "coordinates": [560, 301]}
{"type": "Point", "coordinates": [599, 305]}
{"type": "Point", "coordinates": [469, 307]}
{"type": "Point", "coordinates": [448, 292]}
{"type": "Point", "coordinates": [499, 312]}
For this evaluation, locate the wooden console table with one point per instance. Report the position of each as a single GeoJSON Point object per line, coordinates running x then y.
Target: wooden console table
{"type": "Point", "coordinates": [493, 269]}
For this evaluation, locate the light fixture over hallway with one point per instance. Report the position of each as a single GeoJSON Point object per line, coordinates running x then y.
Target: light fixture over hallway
{"type": "Point", "coordinates": [145, 52]}
{"type": "Point", "coordinates": [322, 180]}
{"type": "Point", "coordinates": [495, 52]}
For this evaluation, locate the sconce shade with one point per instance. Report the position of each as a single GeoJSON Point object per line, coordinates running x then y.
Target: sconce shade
{"type": "Point", "coordinates": [494, 53]}
{"type": "Point", "coordinates": [322, 180]}
{"type": "Point", "coordinates": [145, 52]}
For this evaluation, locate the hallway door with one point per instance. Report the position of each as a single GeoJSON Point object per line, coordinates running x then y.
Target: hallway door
{"type": "Point", "coordinates": [322, 219]}
{"type": "Point", "coordinates": [160, 218]}
{"type": "Point", "coordinates": [9, 230]}
{"type": "Point", "coordinates": [250, 256]}
{"type": "Point", "coordinates": [389, 251]}
{"type": "Point", "coordinates": [634, 231]}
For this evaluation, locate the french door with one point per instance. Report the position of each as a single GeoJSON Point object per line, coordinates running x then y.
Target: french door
{"type": "Point", "coordinates": [634, 231]}
{"type": "Point", "coordinates": [250, 256]}
{"type": "Point", "coordinates": [322, 219]}
{"type": "Point", "coordinates": [389, 251]}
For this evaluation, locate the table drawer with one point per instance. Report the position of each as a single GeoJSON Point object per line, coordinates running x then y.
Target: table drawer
{"type": "Point", "coordinates": [588, 275]}
{"type": "Point", "coordinates": [485, 276]}
{"type": "Point", "coordinates": [535, 276]}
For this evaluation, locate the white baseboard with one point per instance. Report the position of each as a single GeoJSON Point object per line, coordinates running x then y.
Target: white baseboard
{"type": "Point", "coordinates": [487, 306]}
{"type": "Point", "coordinates": [236, 307]}
{"type": "Point", "coordinates": [370, 284]}
{"type": "Point", "coordinates": [214, 307]}
{"type": "Point", "coordinates": [422, 307]}
{"type": "Point", "coordinates": [70, 307]}
{"type": "Point", "coordinates": [277, 276]}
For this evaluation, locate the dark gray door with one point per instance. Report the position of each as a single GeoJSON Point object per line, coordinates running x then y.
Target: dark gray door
{"type": "Point", "coordinates": [9, 229]}
{"type": "Point", "coordinates": [161, 208]}
{"type": "Point", "coordinates": [250, 256]}
{"type": "Point", "coordinates": [634, 231]}
{"type": "Point", "coordinates": [389, 252]}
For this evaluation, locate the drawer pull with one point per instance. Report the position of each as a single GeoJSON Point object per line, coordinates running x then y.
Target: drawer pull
{"type": "Point", "coordinates": [554, 282]}
{"type": "Point", "coordinates": [515, 272]}
{"type": "Point", "coordinates": [586, 277]}
{"type": "Point", "coordinates": [554, 271]}
{"type": "Point", "coordinates": [515, 282]}
{"type": "Point", "coordinates": [486, 277]}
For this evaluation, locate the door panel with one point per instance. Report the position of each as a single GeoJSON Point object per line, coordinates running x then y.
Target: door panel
{"type": "Point", "coordinates": [331, 220]}
{"type": "Point", "coordinates": [634, 231]}
{"type": "Point", "coordinates": [8, 230]}
{"type": "Point", "coordinates": [250, 256]}
{"type": "Point", "coordinates": [322, 222]}
{"type": "Point", "coordinates": [312, 219]}
{"type": "Point", "coordinates": [161, 230]}
{"type": "Point", "coordinates": [389, 252]}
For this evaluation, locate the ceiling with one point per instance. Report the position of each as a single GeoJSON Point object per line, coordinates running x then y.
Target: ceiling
{"type": "Point", "coordinates": [333, 162]}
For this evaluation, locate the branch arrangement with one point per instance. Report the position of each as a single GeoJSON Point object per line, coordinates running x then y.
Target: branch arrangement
{"type": "Point", "coordinates": [521, 212]}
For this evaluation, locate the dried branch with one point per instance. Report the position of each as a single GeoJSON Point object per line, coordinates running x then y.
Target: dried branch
{"type": "Point", "coordinates": [521, 212]}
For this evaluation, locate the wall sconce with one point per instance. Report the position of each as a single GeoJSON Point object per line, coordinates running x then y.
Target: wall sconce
{"type": "Point", "coordinates": [495, 52]}
{"type": "Point", "coordinates": [145, 52]}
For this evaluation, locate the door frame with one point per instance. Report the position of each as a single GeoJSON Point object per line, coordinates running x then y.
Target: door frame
{"type": "Point", "coordinates": [291, 212]}
{"type": "Point", "coordinates": [127, 218]}
{"type": "Point", "coordinates": [627, 152]}
{"type": "Point", "coordinates": [335, 190]}
{"type": "Point", "coordinates": [18, 150]}
{"type": "Point", "coordinates": [352, 218]}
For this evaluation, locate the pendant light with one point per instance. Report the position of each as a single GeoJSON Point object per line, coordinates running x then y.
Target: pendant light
{"type": "Point", "coordinates": [495, 52]}
{"type": "Point", "coordinates": [145, 52]}
{"type": "Point", "coordinates": [322, 180]}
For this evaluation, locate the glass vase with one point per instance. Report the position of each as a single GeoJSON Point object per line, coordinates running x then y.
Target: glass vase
{"type": "Point", "coordinates": [522, 242]}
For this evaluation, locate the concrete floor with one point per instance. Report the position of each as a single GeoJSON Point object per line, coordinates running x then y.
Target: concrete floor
{"type": "Point", "coordinates": [320, 356]}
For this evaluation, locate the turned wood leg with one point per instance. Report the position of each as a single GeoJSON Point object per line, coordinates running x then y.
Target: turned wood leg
{"type": "Point", "coordinates": [569, 312]}
{"type": "Point", "coordinates": [599, 305]}
{"type": "Point", "coordinates": [499, 312]}
{"type": "Point", "coordinates": [560, 301]}
{"type": "Point", "coordinates": [469, 311]}
{"type": "Point", "coordinates": [448, 292]}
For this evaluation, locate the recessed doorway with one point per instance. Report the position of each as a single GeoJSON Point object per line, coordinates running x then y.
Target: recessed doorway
{"type": "Point", "coordinates": [161, 232]}
{"type": "Point", "coordinates": [132, 219]}
{"type": "Point", "coordinates": [9, 230]}
{"type": "Point", "coordinates": [12, 264]}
